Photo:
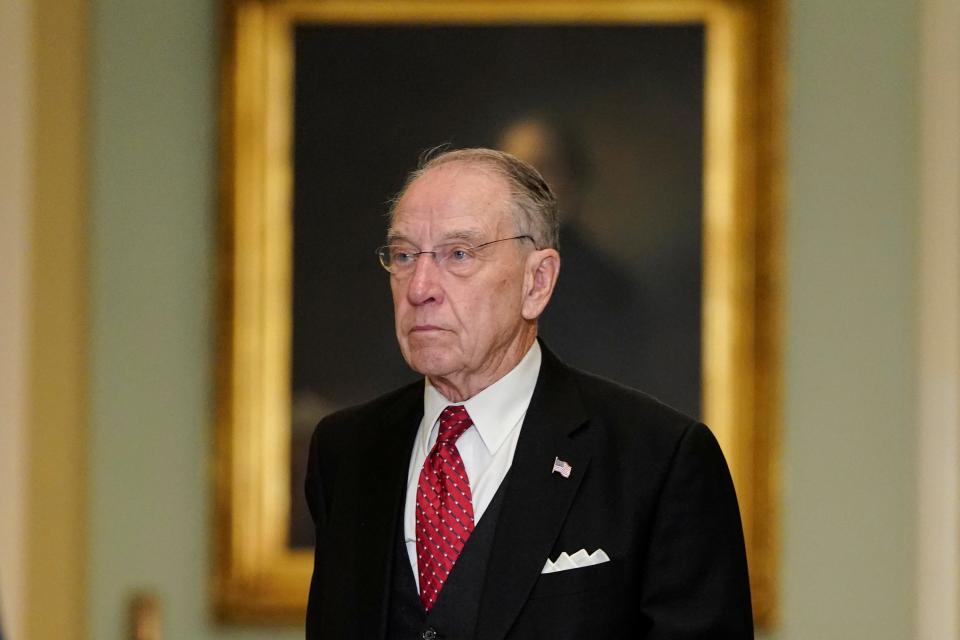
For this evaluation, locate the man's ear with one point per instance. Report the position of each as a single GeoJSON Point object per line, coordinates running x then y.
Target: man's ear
{"type": "Point", "coordinates": [540, 277]}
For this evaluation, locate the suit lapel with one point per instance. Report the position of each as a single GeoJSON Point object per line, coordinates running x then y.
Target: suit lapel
{"type": "Point", "coordinates": [381, 503]}
{"type": "Point", "coordinates": [537, 500]}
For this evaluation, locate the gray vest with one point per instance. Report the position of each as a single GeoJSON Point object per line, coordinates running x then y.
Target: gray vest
{"type": "Point", "coordinates": [454, 615]}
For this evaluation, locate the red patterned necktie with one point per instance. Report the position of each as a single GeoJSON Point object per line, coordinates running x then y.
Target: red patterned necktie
{"type": "Point", "coordinates": [444, 506]}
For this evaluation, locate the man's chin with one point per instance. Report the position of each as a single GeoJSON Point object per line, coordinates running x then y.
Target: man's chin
{"type": "Point", "coordinates": [431, 362]}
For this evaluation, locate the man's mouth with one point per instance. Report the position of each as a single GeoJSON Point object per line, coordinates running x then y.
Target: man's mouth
{"type": "Point", "coordinates": [425, 328]}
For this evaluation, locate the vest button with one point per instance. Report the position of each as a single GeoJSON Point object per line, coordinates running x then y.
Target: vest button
{"type": "Point", "coordinates": [429, 634]}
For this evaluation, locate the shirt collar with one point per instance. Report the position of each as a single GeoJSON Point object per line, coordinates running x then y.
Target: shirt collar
{"type": "Point", "coordinates": [496, 409]}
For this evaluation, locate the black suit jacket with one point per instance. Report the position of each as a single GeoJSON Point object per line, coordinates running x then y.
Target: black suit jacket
{"type": "Point", "coordinates": [649, 486]}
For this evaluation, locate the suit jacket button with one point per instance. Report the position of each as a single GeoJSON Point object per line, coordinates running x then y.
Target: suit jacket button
{"type": "Point", "coordinates": [429, 634]}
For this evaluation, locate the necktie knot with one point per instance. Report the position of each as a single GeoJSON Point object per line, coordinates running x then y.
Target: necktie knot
{"type": "Point", "coordinates": [454, 420]}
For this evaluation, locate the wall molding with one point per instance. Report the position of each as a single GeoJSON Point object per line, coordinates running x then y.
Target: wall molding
{"type": "Point", "coordinates": [15, 190]}
{"type": "Point", "coordinates": [938, 324]}
{"type": "Point", "coordinates": [55, 567]}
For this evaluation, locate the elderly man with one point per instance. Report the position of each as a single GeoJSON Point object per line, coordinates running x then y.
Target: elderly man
{"type": "Point", "coordinates": [507, 495]}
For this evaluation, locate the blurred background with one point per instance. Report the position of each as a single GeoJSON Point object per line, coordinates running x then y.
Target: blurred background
{"type": "Point", "coordinates": [108, 197]}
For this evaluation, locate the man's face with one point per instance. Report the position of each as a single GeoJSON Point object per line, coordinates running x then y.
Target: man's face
{"type": "Point", "coordinates": [451, 326]}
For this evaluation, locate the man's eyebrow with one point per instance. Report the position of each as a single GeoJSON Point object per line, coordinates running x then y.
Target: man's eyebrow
{"type": "Point", "coordinates": [468, 235]}
{"type": "Point", "coordinates": [394, 238]}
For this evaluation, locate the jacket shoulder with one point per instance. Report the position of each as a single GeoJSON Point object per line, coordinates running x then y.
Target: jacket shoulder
{"type": "Point", "coordinates": [360, 422]}
{"type": "Point", "coordinates": [609, 397]}
{"type": "Point", "coordinates": [635, 418]}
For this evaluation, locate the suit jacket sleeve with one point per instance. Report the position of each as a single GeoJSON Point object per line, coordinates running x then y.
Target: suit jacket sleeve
{"type": "Point", "coordinates": [696, 583]}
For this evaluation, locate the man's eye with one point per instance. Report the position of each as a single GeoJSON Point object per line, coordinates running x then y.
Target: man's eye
{"type": "Point", "coordinates": [460, 254]}
{"type": "Point", "coordinates": [403, 257]}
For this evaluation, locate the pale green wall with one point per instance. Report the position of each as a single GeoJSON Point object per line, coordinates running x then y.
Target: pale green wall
{"type": "Point", "coordinates": [153, 217]}
{"type": "Point", "coordinates": [848, 442]}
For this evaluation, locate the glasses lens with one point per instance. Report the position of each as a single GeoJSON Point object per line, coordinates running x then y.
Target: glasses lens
{"type": "Point", "coordinates": [457, 258]}
{"type": "Point", "coordinates": [383, 254]}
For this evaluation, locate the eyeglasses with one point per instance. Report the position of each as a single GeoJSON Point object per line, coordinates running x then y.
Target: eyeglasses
{"type": "Point", "coordinates": [455, 257]}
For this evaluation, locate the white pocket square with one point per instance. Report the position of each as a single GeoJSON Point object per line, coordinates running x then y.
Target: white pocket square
{"type": "Point", "coordinates": [578, 560]}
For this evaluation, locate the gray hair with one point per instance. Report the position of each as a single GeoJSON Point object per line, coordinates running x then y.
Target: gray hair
{"type": "Point", "coordinates": [534, 207]}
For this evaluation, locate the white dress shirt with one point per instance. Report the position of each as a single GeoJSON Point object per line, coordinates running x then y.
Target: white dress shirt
{"type": "Point", "coordinates": [487, 447]}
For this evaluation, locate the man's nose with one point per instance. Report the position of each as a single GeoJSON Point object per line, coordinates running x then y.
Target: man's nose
{"type": "Point", "coordinates": [424, 284]}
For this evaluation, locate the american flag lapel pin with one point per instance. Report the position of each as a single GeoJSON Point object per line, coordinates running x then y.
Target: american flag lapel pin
{"type": "Point", "coordinates": [561, 467]}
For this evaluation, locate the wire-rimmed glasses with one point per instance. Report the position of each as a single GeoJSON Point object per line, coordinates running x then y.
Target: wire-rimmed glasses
{"type": "Point", "coordinates": [458, 258]}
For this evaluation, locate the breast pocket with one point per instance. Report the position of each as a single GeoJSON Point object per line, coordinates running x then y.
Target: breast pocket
{"type": "Point", "coordinates": [580, 604]}
{"type": "Point", "coordinates": [572, 581]}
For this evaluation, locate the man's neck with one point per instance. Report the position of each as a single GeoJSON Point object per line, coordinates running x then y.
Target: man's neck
{"type": "Point", "coordinates": [460, 388]}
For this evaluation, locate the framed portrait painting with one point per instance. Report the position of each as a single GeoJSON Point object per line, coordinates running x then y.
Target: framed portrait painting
{"type": "Point", "coordinates": [655, 122]}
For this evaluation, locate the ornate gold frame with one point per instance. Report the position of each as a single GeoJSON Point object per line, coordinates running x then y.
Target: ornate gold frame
{"type": "Point", "coordinates": [257, 578]}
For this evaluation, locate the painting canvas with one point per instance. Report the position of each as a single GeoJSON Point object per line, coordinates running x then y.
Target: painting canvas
{"type": "Point", "coordinates": [613, 116]}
